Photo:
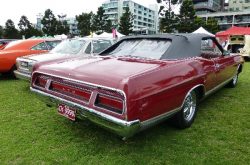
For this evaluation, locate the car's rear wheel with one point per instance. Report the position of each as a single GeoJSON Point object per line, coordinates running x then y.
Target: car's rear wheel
{"type": "Point", "coordinates": [185, 117]}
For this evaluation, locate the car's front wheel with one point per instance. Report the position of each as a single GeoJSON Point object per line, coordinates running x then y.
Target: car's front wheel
{"type": "Point", "coordinates": [185, 117]}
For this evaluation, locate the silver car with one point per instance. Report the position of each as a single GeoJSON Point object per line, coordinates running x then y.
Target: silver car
{"type": "Point", "coordinates": [67, 49]}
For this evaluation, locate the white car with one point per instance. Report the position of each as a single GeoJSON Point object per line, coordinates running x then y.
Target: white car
{"type": "Point", "coordinates": [67, 49]}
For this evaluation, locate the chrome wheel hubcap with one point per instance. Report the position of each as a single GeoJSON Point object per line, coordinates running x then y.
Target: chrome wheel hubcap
{"type": "Point", "coordinates": [235, 79]}
{"type": "Point", "coordinates": [189, 106]}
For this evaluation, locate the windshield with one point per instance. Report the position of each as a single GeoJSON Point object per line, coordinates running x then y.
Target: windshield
{"type": "Point", "coordinates": [52, 44]}
{"type": "Point", "coordinates": [100, 45]}
{"type": "Point", "coordinates": [145, 48]}
{"type": "Point", "coordinates": [69, 47]}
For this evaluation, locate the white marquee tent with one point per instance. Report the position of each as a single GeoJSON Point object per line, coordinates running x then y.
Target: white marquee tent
{"type": "Point", "coordinates": [110, 35]}
{"type": "Point", "coordinates": [204, 31]}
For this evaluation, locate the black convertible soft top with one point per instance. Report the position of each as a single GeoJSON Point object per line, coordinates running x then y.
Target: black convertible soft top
{"type": "Point", "coordinates": [182, 45]}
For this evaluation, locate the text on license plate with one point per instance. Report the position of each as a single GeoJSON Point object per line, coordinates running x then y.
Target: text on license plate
{"type": "Point", "coordinates": [67, 112]}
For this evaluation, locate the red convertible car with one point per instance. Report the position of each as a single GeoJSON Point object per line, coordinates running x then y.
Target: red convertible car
{"type": "Point", "coordinates": [139, 81]}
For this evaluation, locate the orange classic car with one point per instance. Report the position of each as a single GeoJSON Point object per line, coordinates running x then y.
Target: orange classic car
{"type": "Point", "coordinates": [23, 48]}
{"type": "Point", "coordinates": [4, 43]}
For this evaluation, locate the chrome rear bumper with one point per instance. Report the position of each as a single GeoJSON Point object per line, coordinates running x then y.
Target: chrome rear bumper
{"type": "Point", "coordinates": [21, 75]}
{"type": "Point", "coordinates": [120, 127]}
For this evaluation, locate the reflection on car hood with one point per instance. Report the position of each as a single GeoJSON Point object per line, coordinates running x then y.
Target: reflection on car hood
{"type": "Point", "coordinates": [100, 70]}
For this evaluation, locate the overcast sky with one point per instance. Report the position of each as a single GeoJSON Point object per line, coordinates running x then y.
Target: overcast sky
{"type": "Point", "coordinates": [14, 9]}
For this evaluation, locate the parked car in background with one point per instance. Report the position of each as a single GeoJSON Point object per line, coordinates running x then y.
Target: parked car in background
{"type": "Point", "coordinates": [139, 81]}
{"type": "Point", "coordinates": [21, 48]}
{"type": "Point", "coordinates": [235, 43]}
{"type": "Point", "coordinates": [66, 50]}
{"type": "Point", "coordinates": [4, 42]}
{"type": "Point", "coordinates": [245, 51]}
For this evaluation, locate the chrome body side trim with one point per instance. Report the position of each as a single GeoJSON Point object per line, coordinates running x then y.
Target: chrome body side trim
{"type": "Point", "coordinates": [148, 123]}
{"type": "Point", "coordinates": [155, 120]}
{"type": "Point", "coordinates": [208, 93]}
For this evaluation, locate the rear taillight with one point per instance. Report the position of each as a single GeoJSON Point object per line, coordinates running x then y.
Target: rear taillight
{"type": "Point", "coordinates": [41, 81]}
{"type": "Point", "coordinates": [78, 93]}
{"type": "Point", "coordinates": [109, 103]}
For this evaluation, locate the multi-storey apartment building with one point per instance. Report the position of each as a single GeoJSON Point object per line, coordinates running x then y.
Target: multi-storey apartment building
{"type": "Point", "coordinates": [208, 6]}
{"type": "Point", "coordinates": [228, 19]}
{"type": "Point", "coordinates": [72, 22]}
{"type": "Point", "coordinates": [238, 5]}
{"type": "Point", "coordinates": [146, 19]}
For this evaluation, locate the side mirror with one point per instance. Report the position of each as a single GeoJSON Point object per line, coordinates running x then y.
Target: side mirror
{"type": "Point", "coordinates": [226, 53]}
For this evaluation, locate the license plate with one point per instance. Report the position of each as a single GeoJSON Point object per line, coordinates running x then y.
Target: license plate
{"type": "Point", "coordinates": [67, 112]}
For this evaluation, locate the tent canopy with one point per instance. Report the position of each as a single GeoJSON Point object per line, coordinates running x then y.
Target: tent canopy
{"type": "Point", "coordinates": [234, 30]}
{"type": "Point", "coordinates": [110, 35]}
{"type": "Point", "coordinates": [93, 35]}
{"type": "Point", "coordinates": [201, 30]}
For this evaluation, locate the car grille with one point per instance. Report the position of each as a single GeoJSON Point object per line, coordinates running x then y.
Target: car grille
{"type": "Point", "coordinates": [104, 99]}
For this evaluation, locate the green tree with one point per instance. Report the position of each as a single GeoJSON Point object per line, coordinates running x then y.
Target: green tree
{"type": "Point", "coordinates": [24, 24]}
{"type": "Point", "coordinates": [108, 26]}
{"type": "Point", "coordinates": [168, 23]}
{"type": "Point", "coordinates": [10, 31]}
{"type": "Point", "coordinates": [1, 32]}
{"type": "Point", "coordinates": [62, 27]}
{"type": "Point", "coordinates": [169, 20]}
{"type": "Point", "coordinates": [49, 23]}
{"type": "Point", "coordinates": [126, 22]}
{"type": "Point", "coordinates": [167, 5]}
{"type": "Point", "coordinates": [26, 28]}
{"type": "Point", "coordinates": [186, 17]}
{"type": "Point", "coordinates": [85, 24]}
{"type": "Point", "coordinates": [198, 22]}
{"type": "Point", "coordinates": [101, 22]}
{"type": "Point", "coordinates": [212, 25]}
{"type": "Point", "coordinates": [34, 32]}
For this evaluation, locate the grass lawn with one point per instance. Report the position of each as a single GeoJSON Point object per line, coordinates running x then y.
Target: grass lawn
{"type": "Point", "coordinates": [31, 133]}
